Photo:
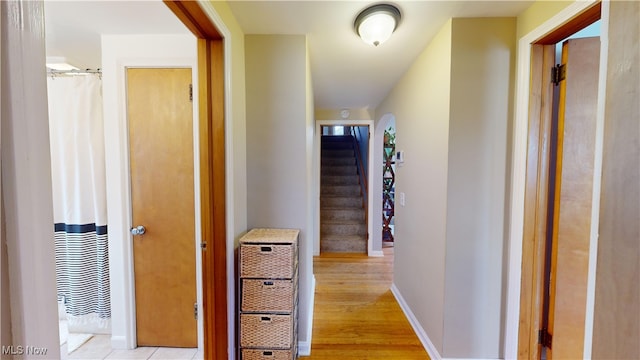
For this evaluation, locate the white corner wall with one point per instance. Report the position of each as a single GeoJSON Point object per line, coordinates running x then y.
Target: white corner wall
{"type": "Point", "coordinates": [313, 221]}
{"type": "Point", "coordinates": [119, 52]}
{"type": "Point", "coordinates": [335, 114]}
{"type": "Point", "coordinates": [420, 104]}
{"type": "Point", "coordinates": [27, 203]}
{"type": "Point", "coordinates": [482, 74]}
{"type": "Point", "coordinates": [279, 142]}
{"type": "Point", "coordinates": [5, 310]}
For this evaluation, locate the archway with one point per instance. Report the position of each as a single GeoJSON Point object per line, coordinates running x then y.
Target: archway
{"type": "Point", "coordinates": [376, 177]}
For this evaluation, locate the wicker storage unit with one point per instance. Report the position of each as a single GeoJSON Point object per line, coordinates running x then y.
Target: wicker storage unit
{"type": "Point", "coordinates": [268, 319]}
{"type": "Point", "coordinates": [276, 260]}
{"type": "Point", "coordinates": [252, 354]}
{"type": "Point", "coordinates": [273, 296]}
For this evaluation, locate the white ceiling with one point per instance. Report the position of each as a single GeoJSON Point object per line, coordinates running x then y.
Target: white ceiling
{"type": "Point", "coordinates": [73, 28]}
{"type": "Point", "coordinates": [346, 72]}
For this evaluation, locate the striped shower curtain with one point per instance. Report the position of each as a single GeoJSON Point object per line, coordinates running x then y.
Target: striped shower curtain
{"type": "Point", "coordinates": [79, 199]}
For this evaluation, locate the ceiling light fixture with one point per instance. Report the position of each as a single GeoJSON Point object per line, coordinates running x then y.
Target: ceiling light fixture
{"type": "Point", "coordinates": [376, 23]}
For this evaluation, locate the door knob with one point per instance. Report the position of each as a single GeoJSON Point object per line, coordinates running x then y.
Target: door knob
{"type": "Point", "coordinates": [138, 230]}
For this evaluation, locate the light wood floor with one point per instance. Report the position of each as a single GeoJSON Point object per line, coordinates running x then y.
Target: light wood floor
{"type": "Point", "coordinates": [356, 316]}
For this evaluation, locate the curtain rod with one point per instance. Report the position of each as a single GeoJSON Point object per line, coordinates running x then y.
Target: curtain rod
{"type": "Point", "coordinates": [74, 72]}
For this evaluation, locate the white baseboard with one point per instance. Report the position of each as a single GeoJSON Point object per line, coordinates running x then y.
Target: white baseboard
{"type": "Point", "coordinates": [119, 343]}
{"type": "Point", "coordinates": [376, 253]}
{"type": "Point", "coordinates": [415, 324]}
{"type": "Point", "coordinates": [304, 346]}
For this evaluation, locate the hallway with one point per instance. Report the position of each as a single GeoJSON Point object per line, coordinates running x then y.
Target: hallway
{"type": "Point", "coordinates": [356, 316]}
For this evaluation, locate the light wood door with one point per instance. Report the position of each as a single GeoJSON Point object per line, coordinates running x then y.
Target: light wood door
{"type": "Point", "coordinates": [160, 118]}
{"type": "Point", "coordinates": [537, 199]}
{"type": "Point", "coordinates": [573, 197]}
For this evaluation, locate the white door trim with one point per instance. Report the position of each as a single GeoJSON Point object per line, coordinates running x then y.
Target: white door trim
{"type": "Point", "coordinates": [319, 124]}
{"type": "Point", "coordinates": [518, 175]}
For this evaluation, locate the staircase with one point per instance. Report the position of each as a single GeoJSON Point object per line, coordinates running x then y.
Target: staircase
{"type": "Point", "coordinates": [343, 227]}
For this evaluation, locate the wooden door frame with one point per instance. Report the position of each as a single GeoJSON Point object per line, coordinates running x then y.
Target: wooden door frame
{"type": "Point", "coordinates": [529, 179]}
{"type": "Point", "coordinates": [211, 98]}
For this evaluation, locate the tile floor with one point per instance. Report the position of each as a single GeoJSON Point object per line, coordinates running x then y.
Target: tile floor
{"type": "Point", "coordinates": [99, 347]}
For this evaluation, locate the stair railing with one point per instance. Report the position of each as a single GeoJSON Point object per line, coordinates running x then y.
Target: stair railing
{"type": "Point", "coordinates": [361, 171]}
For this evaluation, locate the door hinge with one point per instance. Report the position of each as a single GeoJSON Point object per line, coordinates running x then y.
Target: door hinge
{"type": "Point", "coordinates": [558, 73]}
{"type": "Point", "coordinates": [544, 338]}
{"type": "Point", "coordinates": [190, 92]}
{"type": "Point", "coordinates": [203, 245]}
{"type": "Point", "coordinates": [195, 311]}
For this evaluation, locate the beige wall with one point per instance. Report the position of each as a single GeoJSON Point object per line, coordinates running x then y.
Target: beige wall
{"type": "Point", "coordinates": [453, 110]}
{"type": "Point", "coordinates": [278, 135]}
{"type": "Point", "coordinates": [420, 103]}
{"type": "Point", "coordinates": [537, 14]}
{"type": "Point", "coordinates": [354, 114]}
{"type": "Point", "coordinates": [482, 71]}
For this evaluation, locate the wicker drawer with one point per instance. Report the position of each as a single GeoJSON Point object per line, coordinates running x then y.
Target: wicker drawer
{"type": "Point", "coordinates": [258, 354]}
{"type": "Point", "coordinates": [276, 261]}
{"type": "Point", "coordinates": [270, 296]}
{"type": "Point", "coordinates": [266, 331]}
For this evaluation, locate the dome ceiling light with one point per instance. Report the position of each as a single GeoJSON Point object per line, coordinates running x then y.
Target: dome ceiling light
{"type": "Point", "coordinates": [376, 23]}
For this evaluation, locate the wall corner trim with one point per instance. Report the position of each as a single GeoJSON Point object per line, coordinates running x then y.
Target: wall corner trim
{"type": "Point", "coordinates": [304, 346]}
{"type": "Point", "coordinates": [376, 253]}
{"type": "Point", "coordinates": [422, 334]}
{"type": "Point", "coordinates": [119, 342]}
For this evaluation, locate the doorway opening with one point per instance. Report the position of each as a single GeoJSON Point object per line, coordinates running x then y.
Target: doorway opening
{"type": "Point", "coordinates": [558, 191]}
{"type": "Point", "coordinates": [388, 185]}
{"type": "Point", "coordinates": [211, 150]}
{"type": "Point", "coordinates": [113, 252]}
{"type": "Point", "coordinates": [344, 174]}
